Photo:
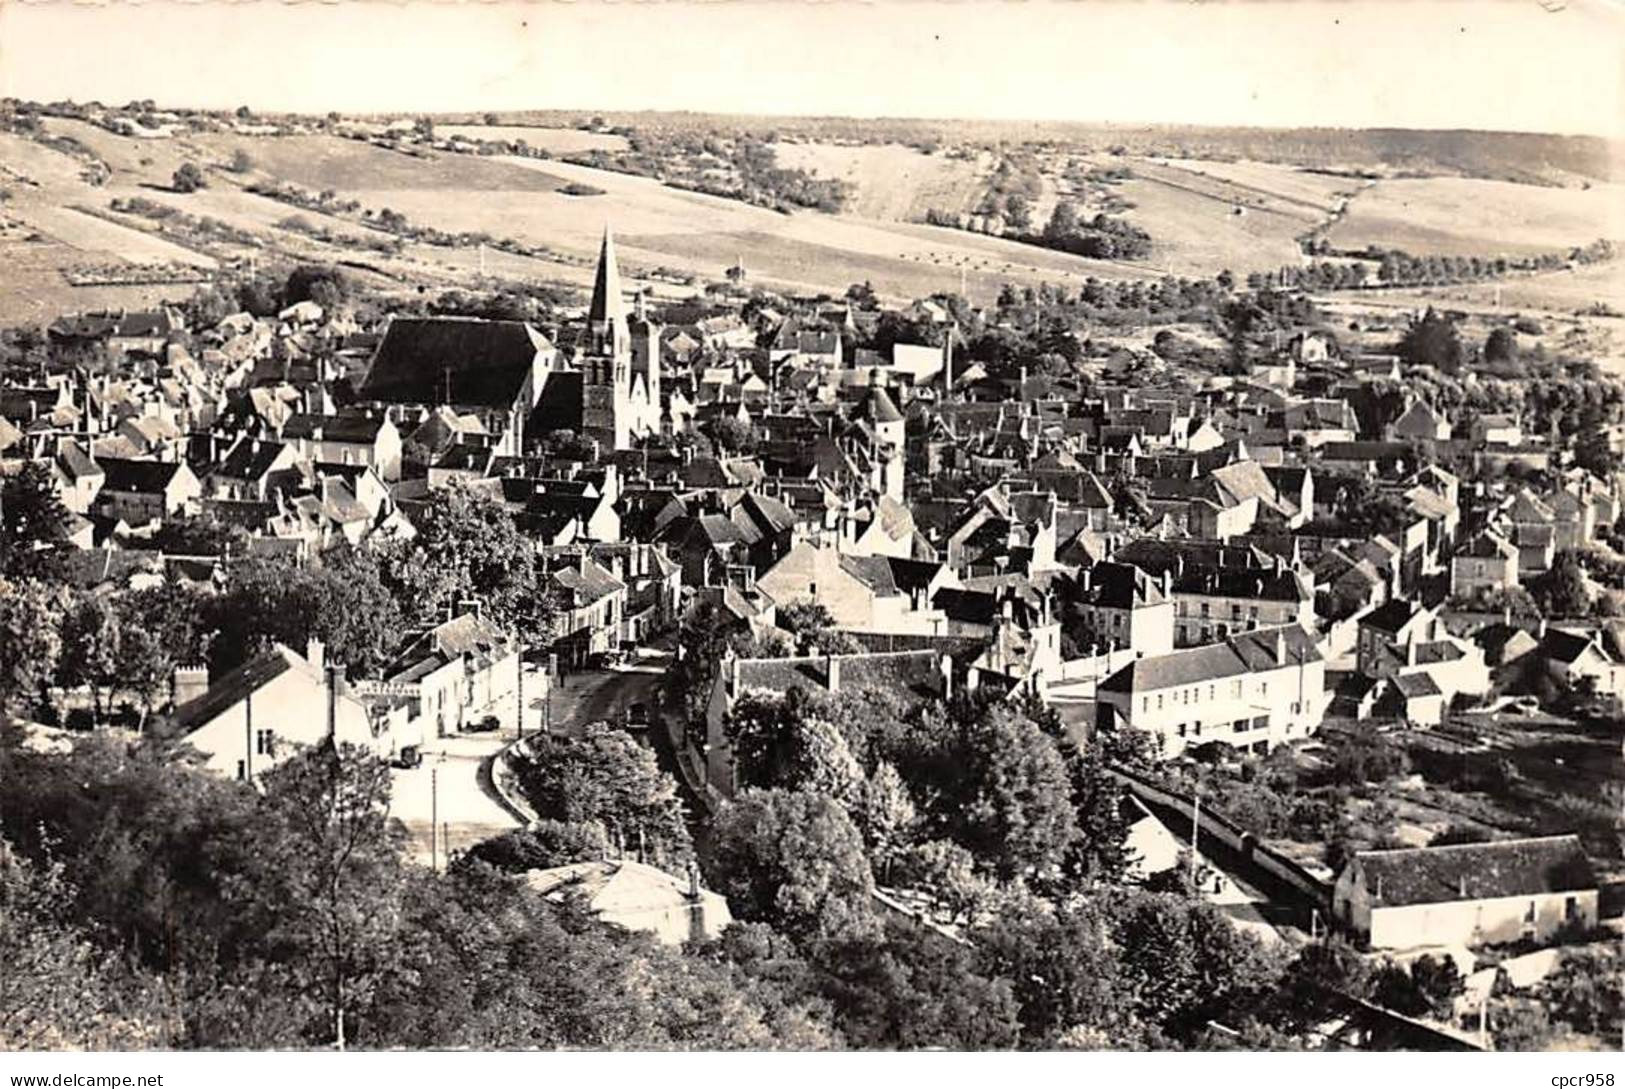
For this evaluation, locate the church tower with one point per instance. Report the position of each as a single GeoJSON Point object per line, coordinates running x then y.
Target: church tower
{"type": "Point", "coordinates": [605, 358]}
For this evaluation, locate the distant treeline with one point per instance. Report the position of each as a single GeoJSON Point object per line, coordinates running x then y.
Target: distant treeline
{"type": "Point", "coordinates": [1395, 267]}
{"type": "Point", "coordinates": [1535, 158]}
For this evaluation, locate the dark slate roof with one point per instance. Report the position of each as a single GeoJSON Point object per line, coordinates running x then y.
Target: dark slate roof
{"type": "Point", "coordinates": [559, 407]}
{"type": "Point", "coordinates": [1390, 616]}
{"type": "Point", "coordinates": [1476, 871]}
{"type": "Point", "coordinates": [458, 361]}
{"type": "Point", "coordinates": [1250, 652]}
{"type": "Point", "coordinates": [133, 475]}
{"type": "Point", "coordinates": [249, 459]}
{"type": "Point", "coordinates": [1564, 646]}
{"type": "Point", "coordinates": [1120, 586]}
{"type": "Point", "coordinates": [346, 428]}
{"type": "Point", "coordinates": [1416, 685]}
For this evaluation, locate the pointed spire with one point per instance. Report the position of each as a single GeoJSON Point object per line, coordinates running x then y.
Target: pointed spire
{"type": "Point", "coordinates": [608, 302]}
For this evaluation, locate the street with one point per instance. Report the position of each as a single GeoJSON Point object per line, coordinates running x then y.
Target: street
{"type": "Point", "coordinates": [453, 786]}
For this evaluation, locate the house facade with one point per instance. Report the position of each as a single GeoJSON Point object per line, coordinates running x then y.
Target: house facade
{"type": "Point", "coordinates": [1470, 894]}
{"type": "Point", "coordinates": [1253, 691]}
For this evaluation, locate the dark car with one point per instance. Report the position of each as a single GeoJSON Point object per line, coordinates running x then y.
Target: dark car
{"type": "Point", "coordinates": [637, 716]}
{"type": "Point", "coordinates": [490, 724]}
{"type": "Point", "coordinates": [410, 756]}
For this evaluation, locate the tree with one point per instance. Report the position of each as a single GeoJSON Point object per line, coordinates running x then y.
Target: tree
{"type": "Point", "coordinates": [1519, 1025]}
{"type": "Point", "coordinates": [946, 872]}
{"type": "Point", "coordinates": [1063, 222]}
{"type": "Point", "coordinates": [909, 988]}
{"type": "Point", "coordinates": [884, 813]}
{"type": "Point", "coordinates": [324, 285]}
{"type": "Point", "coordinates": [863, 296]}
{"type": "Point", "coordinates": [793, 860]}
{"type": "Point", "coordinates": [33, 522]}
{"type": "Point", "coordinates": [30, 642]}
{"type": "Point", "coordinates": [241, 162]}
{"type": "Point", "coordinates": [1100, 849]}
{"type": "Point", "coordinates": [1186, 963]}
{"type": "Point", "coordinates": [90, 648]}
{"type": "Point", "coordinates": [1588, 991]}
{"type": "Point", "coordinates": [1501, 346]}
{"type": "Point", "coordinates": [143, 666]}
{"type": "Point", "coordinates": [1433, 341]}
{"type": "Point", "coordinates": [605, 777]}
{"type": "Point", "coordinates": [58, 991]}
{"type": "Point", "coordinates": [330, 864]}
{"type": "Point", "coordinates": [542, 846]}
{"type": "Point", "coordinates": [1563, 589]}
{"type": "Point", "coordinates": [733, 435]}
{"type": "Point", "coordinates": [467, 548]}
{"type": "Point", "coordinates": [1062, 970]}
{"type": "Point", "coordinates": [790, 741]}
{"type": "Point", "coordinates": [1011, 804]}
{"type": "Point", "coordinates": [188, 179]}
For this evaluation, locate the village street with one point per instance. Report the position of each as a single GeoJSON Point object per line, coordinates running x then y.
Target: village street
{"type": "Point", "coordinates": [453, 786]}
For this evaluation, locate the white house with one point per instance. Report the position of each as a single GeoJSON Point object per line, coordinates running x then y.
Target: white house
{"type": "Point", "coordinates": [1467, 894]}
{"type": "Point", "coordinates": [1255, 690]}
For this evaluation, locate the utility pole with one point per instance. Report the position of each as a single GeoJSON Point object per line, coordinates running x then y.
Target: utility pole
{"type": "Point", "coordinates": [519, 648]}
{"type": "Point", "coordinates": [1196, 831]}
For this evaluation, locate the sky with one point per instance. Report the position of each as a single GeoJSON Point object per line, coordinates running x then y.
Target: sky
{"type": "Point", "coordinates": [1524, 65]}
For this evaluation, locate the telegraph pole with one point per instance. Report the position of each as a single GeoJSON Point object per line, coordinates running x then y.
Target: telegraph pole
{"type": "Point", "coordinates": [519, 648]}
{"type": "Point", "coordinates": [1196, 830]}
{"type": "Point", "coordinates": [434, 819]}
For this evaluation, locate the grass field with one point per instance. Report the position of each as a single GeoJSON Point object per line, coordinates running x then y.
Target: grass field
{"type": "Point", "coordinates": [1188, 206]}
{"type": "Point", "coordinates": [1275, 182]}
{"type": "Point", "coordinates": [557, 141]}
{"type": "Point", "coordinates": [1468, 216]}
{"type": "Point", "coordinates": [892, 181]}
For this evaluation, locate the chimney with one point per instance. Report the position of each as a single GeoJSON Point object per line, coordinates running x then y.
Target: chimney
{"type": "Point", "coordinates": [335, 679]}
{"type": "Point", "coordinates": [316, 653]}
{"type": "Point", "coordinates": [189, 683]}
{"type": "Point", "coordinates": [945, 666]}
{"type": "Point", "coordinates": [693, 870]}
{"type": "Point", "coordinates": [1280, 646]}
{"type": "Point", "coordinates": [1168, 581]}
{"type": "Point", "coordinates": [832, 670]}
{"type": "Point", "coordinates": [733, 677]}
{"type": "Point", "coordinates": [1085, 578]}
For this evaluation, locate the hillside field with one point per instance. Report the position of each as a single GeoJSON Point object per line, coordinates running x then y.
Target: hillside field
{"type": "Point", "coordinates": [892, 182]}
{"type": "Point", "coordinates": [1190, 207]}
{"type": "Point", "coordinates": [556, 141]}
{"type": "Point", "coordinates": [1467, 216]}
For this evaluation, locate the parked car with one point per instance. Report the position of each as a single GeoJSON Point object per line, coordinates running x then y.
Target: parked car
{"type": "Point", "coordinates": [490, 724]}
{"type": "Point", "coordinates": [410, 756]}
{"type": "Point", "coordinates": [637, 716]}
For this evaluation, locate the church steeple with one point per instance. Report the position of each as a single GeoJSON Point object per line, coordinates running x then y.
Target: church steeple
{"type": "Point", "coordinates": [606, 316]}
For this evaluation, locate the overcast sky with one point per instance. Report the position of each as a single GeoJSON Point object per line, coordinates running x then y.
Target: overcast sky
{"type": "Point", "coordinates": [1486, 64]}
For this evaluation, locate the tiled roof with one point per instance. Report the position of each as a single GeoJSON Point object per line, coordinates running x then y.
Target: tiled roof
{"type": "Point", "coordinates": [1476, 871]}
{"type": "Point", "coordinates": [1250, 652]}
{"type": "Point", "coordinates": [461, 361]}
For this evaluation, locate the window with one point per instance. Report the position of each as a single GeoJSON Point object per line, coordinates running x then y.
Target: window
{"type": "Point", "coordinates": [1235, 690]}
{"type": "Point", "coordinates": [1206, 609]}
{"type": "Point", "coordinates": [242, 770]}
{"type": "Point", "coordinates": [264, 742]}
{"type": "Point", "coordinates": [1159, 701]}
{"type": "Point", "coordinates": [1529, 916]}
{"type": "Point", "coordinates": [1212, 691]}
{"type": "Point", "coordinates": [1571, 908]}
{"type": "Point", "coordinates": [1262, 722]}
{"type": "Point", "coordinates": [1235, 611]}
{"type": "Point", "coordinates": [1145, 704]}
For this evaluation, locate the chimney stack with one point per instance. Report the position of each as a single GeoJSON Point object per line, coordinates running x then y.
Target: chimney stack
{"type": "Point", "coordinates": [945, 666]}
{"type": "Point", "coordinates": [189, 683]}
{"type": "Point", "coordinates": [1280, 646]}
{"type": "Point", "coordinates": [1167, 583]}
{"type": "Point", "coordinates": [832, 670]}
{"type": "Point", "coordinates": [316, 653]}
